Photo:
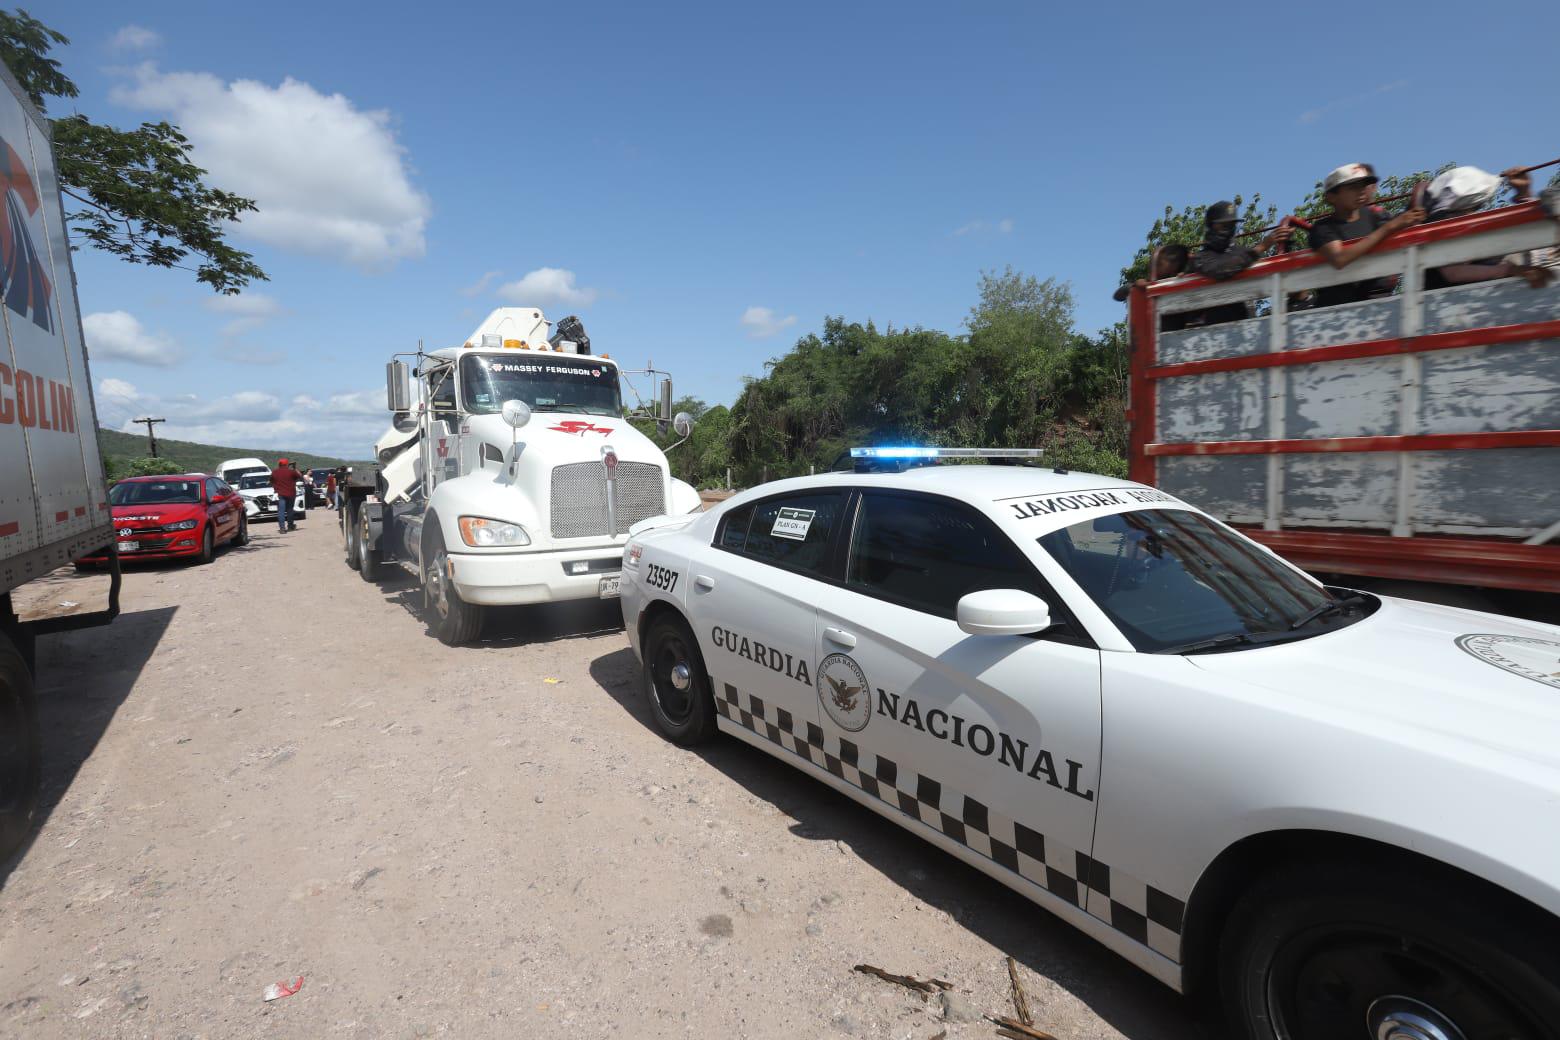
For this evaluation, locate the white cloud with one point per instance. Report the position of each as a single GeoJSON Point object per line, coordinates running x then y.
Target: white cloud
{"type": "Point", "coordinates": [1314, 114]}
{"type": "Point", "coordinates": [246, 354]}
{"type": "Point", "coordinates": [134, 38]}
{"type": "Point", "coordinates": [761, 322]}
{"type": "Point", "coordinates": [975, 227]}
{"type": "Point", "coordinates": [480, 286]}
{"type": "Point", "coordinates": [329, 179]}
{"type": "Point", "coordinates": [344, 425]}
{"type": "Point", "coordinates": [119, 336]}
{"type": "Point", "coordinates": [546, 286]}
{"type": "Point", "coordinates": [249, 311]}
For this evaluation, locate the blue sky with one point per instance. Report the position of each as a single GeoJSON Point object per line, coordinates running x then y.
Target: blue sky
{"type": "Point", "coordinates": [704, 183]}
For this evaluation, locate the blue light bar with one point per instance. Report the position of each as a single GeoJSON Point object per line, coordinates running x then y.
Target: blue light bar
{"type": "Point", "coordinates": [945, 453]}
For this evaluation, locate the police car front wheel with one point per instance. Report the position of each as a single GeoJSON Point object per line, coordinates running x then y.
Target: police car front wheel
{"type": "Point", "coordinates": [1334, 954]}
{"type": "Point", "coordinates": [675, 683]}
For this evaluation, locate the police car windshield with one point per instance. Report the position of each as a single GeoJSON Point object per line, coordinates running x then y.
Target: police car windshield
{"type": "Point", "coordinates": [154, 492]}
{"type": "Point", "coordinates": [1175, 582]}
{"type": "Point", "coordinates": [546, 382]}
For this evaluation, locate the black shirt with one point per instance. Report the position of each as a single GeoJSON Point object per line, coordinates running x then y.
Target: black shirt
{"type": "Point", "coordinates": [1332, 229]}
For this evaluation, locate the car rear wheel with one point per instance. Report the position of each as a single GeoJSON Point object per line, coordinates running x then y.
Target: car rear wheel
{"type": "Point", "coordinates": [676, 684]}
{"type": "Point", "coordinates": [1334, 954]}
{"type": "Point", "coordinates": [20, 753]}
{"type": "Point", "coordinates": [208, 547]}
{"type": "Point", "coordinates": [242, 536]}
{"type": "Point", "coordinates": [456, 622]}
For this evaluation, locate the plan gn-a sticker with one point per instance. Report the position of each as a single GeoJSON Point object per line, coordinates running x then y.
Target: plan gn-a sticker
{"type": "Point", "coordinates": [793, 523]}
{"type": "Point", "coordinates": [1527, 656]}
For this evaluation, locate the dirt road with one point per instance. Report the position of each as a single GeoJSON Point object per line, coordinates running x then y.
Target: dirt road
{"type": "Point", "coordinates": [268, 769]}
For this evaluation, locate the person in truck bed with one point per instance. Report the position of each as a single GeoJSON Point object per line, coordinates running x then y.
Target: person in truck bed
{"type": "Point", "coordinates": [1353, 229]}
{"type": "Point", "coordinates": [1467, 189]}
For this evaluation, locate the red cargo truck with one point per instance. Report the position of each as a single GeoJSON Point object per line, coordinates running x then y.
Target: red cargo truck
{"type": "Point", "coordinates": [1415, 435]}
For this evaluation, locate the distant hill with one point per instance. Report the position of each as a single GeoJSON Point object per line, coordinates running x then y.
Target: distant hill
{"type": "Point", "coordinates": [189, 457]}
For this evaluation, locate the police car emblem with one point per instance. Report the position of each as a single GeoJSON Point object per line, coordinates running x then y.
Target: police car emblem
{"type": "Point", "coordinates": [843, 689]}
{"type": "Point", "coordinates": [1536, 659]}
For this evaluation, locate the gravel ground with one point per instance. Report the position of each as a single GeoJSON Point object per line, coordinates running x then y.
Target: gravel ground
{"type": "Point", "coordinates": [267, 769]}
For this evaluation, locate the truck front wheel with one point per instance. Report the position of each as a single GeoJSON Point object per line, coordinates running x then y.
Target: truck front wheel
{"type": "Point", "coordinates": [456, 622]}
{"type": "Point", "coordinates": [349, 532]}
{"type": "Point", "coordinates": [20, 752]}
{"type": "Point", "coordinates": [367, 556]}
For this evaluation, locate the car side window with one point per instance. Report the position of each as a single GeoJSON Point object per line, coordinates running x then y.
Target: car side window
{"type": "Point", "coordinates": [795, 531]}
{"type": "Point", "coordinates": [926, 553]}
{"type": "Point", "coordinates": [213, 488]}
{"type": "Point", "coordinates": [734, 529]}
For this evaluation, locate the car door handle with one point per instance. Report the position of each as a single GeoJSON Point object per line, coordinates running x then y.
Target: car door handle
{"type": "Point", "coordinates": [703, 582]}
{"type": "Point", "coordinates": [839, 637]}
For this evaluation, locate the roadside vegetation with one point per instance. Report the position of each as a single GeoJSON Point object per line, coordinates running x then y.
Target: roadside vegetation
{"type": "Point", "coordinates": [1019, 374]}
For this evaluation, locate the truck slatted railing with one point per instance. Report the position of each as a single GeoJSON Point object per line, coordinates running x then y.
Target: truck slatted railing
{"type": "Point", "coordinates": [1412, 435]}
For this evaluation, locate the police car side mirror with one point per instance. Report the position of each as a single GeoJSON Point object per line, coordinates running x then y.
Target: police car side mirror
{"type": "Point", "coordinates": [1003, 612]}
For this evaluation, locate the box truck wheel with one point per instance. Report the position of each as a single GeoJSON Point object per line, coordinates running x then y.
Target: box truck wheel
{"type": "Point", "coordinates": [456, 622]}
{"type": "Point", "coordinates": [20, 751]}
{"type": "Point", "coordinates": [349, 532]}
{"type": "Point", "coordinates": [367, 556]}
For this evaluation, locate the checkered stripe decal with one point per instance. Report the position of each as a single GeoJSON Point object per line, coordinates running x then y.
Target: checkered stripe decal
{"type": "Point", "coordinates": [1129, 905]}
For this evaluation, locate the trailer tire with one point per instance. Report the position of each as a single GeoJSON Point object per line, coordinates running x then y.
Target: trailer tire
{"type": "Point", "coordinates": [20, 750]}
{"type": "Point", "coordinates": [349, 533]}
{"type": "Point", "coordinates": [368, 558]}
{"type": "Point", "coordinates": [455, 621]}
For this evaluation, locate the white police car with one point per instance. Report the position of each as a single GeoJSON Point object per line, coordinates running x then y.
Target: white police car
{"type": "Point", "coordinates": [1337, 813]}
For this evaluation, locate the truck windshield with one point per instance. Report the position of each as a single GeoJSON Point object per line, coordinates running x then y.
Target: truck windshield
{"type": "Point", "coordinates": [546, 382]}
{"type": "Point", "coordinates": [154, 492]}
{"type": "Point", "coordinates": [1175, 582]}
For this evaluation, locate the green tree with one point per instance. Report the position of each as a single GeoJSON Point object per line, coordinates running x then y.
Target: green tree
{"type": "Point", "coordinates": [139, 196]}
{"type": "Point", "coordinates": [146, 466]}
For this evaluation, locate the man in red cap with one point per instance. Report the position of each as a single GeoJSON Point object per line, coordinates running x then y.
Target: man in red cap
{"type": "Point", "coordinates": [284, 481]}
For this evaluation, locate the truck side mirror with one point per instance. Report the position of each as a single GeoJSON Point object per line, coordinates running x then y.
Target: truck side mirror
{"type": "Point", "coordinates": [683, 424]}
{"type": "Point", "coordinates": [403, 422]}
{"type": "Point", "coordinates": [516, 413]}
{"type": "Point", "coordinates": [398, 390]}
{"type": "Point", "coordinates": [664, 412]}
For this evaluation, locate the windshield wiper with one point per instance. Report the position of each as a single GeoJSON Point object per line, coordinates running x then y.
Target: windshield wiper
{"type": "Point", "coordinates": [1318, 612]}
{"type": "Point", "coordinates": [1228, 639]}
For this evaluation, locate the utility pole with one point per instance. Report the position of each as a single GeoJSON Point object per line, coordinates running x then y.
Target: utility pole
{"type": "Point", "coordinates": [151, 434]}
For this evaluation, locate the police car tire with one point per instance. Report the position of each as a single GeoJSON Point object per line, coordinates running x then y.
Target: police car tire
{"type": "Point", "coordinates": [21, 753]}
{"type": "Point", "coordinates": [698, 727]}
{"type": "Point", "coordinates": [1473, 943]}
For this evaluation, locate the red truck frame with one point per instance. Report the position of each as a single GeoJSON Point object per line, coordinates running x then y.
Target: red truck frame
{"type": "Point", "coordinates": [1414, 436]}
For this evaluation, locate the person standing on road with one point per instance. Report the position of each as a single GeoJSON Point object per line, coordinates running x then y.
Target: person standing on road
{"type": "Point", "coordinates": [284, 481]}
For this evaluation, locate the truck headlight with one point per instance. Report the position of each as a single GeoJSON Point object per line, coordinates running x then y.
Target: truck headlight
{"type": "Point", "coordinates": [182, 525]}
{"type": "Point", "coordinates": [480, 532]}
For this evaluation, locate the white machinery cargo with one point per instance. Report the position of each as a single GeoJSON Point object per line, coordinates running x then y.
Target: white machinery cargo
{"type": "Point", "coordinates": [511, 475]}
{"type": "Point", "coordinates": [53, 495]}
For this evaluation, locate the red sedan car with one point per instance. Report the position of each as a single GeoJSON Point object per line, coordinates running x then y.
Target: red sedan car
{"type": "Point", "coordinates": [173, 517]}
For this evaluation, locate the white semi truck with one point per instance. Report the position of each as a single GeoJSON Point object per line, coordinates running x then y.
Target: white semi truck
{"type": "Point", "coordinates": [53, 495]}
{"type": "Point", "coordinates": [510, 473]}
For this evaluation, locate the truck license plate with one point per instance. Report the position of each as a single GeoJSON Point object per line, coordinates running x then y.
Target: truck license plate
{"type": "Point", "coordinates": [129, 546]}
{"type": "Point", "coordinates": [608, 589]}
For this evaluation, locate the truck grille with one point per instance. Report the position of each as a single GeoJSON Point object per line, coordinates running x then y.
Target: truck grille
{"type": "Point", "coordinates": [579, 498]}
